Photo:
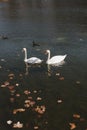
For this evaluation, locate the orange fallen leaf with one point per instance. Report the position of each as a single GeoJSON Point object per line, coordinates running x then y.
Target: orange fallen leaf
{"type": "Point", "coordinates": [76, 115]}
{"type": "Point", "coordinates": [17, 95]}
{"type": "Point", "coordinates": [26, 92]}
{"type": "Point", "coordinates": [59, 101]}
{"type": "Point", "coordinates": [72, 126]}
{"type": "Point", "coordinates": [3, 86]}
{"type": "Point", "coordinates": [61, 78]}
{"type": "Point", "coordinates": [36, 127]}
{"type": "Point", "coordinates": [18, 110]}
{"type": "Point", "coordinates": [82, 119]}
{"type": "Point", "coordinates": [11, 87]}
{"type": "Point", "coordinates": [6, 83]}
{"type": "Point", "coordinates": [11, 75]}
{"type": "Point", "coordinates": [12, 100]}
{"type": "Point", "coordinates": [18, 125]}
{"type": "Point", "coordinates": [39, 98]}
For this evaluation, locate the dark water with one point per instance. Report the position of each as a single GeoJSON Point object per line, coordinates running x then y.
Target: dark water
{"type": "Point", "coordinates": [60, 26]}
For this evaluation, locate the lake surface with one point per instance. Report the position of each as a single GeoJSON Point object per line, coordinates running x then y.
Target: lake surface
{"type": "Point", "coordinates": [59, 93]}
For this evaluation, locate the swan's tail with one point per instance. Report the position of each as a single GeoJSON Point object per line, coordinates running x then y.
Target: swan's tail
{"type": "Point", "coordinates": [64, 56]}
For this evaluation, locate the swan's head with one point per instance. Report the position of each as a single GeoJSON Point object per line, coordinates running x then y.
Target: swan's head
{"type": "Point", "coordinates": [24, 49]}
{"type": "Point", "coordinates": [47, 51]}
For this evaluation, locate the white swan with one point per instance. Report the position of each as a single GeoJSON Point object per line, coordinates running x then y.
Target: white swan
{"type": "Point", "coordinates": [55, 60]}
{"type": "Point", "coordinates": [32, 60]}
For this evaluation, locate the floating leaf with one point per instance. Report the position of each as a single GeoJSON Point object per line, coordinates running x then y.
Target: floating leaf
{"type": "Point", "coordinates": [6, 83]}
{"type": "Point", "coordinates": [59, 101]}
{"type": "Point", "coordinates": [36, 127]}
{"type": "Point", "coordinates": [39, 98]}
{"type": "Point", "coordinates": [77, 82]}
{"type": "Point", "coordinates": [57, 74]}
{"type": "Point", "coordinates": [17, 84]}
{"type": "Point", "coordinates": [18, 110]}
{"type": "Point", "coordinates": [76, 116]}
{"type": "Point", "coordinates": [27, 92]}
{"type": "Point", "coordinates": [11, 75]}
{"type": "Point", "coordinates": [11, 87]}
{"type": "Point", "coordinates": [3, 86]}
{"type": "Point", "coordinates": [35, 91]}
{"type": "Point", "coordinates": [17, 95]}
{"type": "Point", "coordinates": [30, 98]}
{"type": "Point", "coordinates": [82, 119]}
{"type": "Point", "coordinates": [40, 109]}
{"type": "Point", "coordinates": [18, 125]}
{"type": "Point", "coordinates": [12, 100]}
{"type": "Point", "coordinates": [72, 126]}
{"type": "Point", "coordinates": [61, 78]}
{"type": "Point", "coordinates": [9, 122]}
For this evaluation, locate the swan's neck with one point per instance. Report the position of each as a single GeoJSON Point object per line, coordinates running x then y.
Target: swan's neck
{"type": "Point", "coordinates": [25, 55]}
{"type": "Point", "coordinates": [48, 56]}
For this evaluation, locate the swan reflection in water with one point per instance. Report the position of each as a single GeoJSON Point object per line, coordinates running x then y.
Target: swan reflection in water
{"type": "Point", "coordinates": [54, 65]}
{"type": "Point", "coordinates": [26, 69]}
{"type": "Point", "coordinates": [49, 67]}
{"type": "Point", "coordinates": [28, 66]}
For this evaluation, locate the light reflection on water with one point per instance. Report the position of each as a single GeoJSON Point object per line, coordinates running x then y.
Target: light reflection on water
{"type": "Point", "coordinates": [61, 29]}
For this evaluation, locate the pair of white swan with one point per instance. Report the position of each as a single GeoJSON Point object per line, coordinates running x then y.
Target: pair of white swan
{"type": "Point", "coordinates": [50, 61]}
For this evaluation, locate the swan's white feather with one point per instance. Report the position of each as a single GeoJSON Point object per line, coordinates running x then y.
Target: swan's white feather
{"type": "Point", "coordinates": [55, 59]}
{"type": "Point", "coordinates": [33, 60]}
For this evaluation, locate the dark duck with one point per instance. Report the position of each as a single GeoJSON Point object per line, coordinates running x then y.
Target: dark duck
{"type": "Point", "coordinates": [35, 44]}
